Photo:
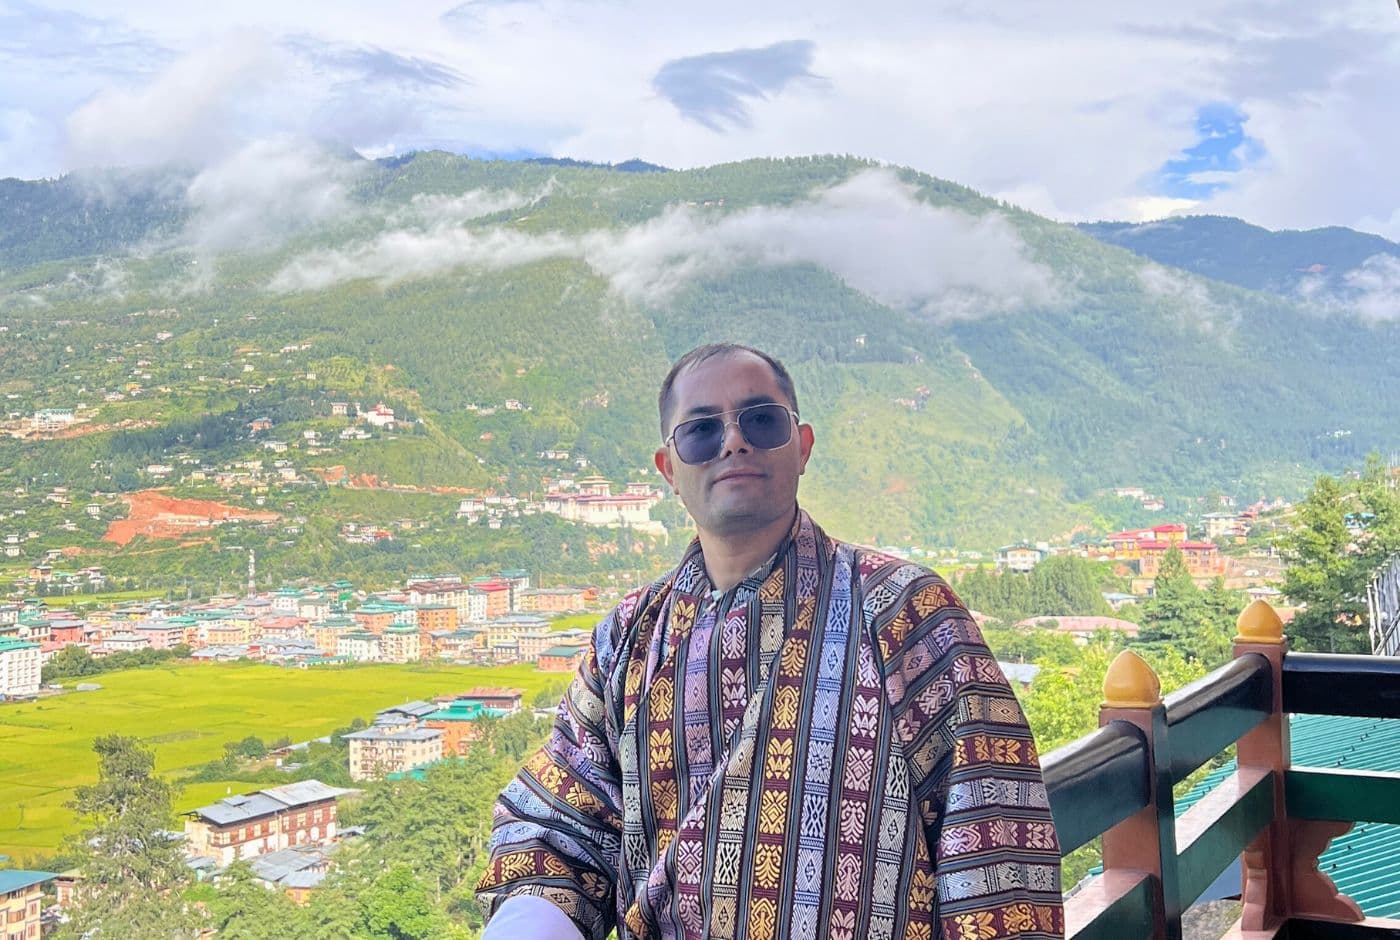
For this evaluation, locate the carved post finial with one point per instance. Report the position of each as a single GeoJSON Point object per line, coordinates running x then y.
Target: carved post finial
{"type": "Point", "coordinates": [1259, 623]}
{"type": "Point", "coordinates": [1131, 683]}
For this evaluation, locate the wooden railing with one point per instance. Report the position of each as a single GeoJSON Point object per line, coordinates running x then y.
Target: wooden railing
{"type": "Point", "coordinates": [1117, 783]}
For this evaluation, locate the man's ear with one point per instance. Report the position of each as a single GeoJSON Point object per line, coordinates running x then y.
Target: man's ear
{"type": "Point", "coordinates": [662, 458]}
{"type": "Point", "coordinates": [805, 439]}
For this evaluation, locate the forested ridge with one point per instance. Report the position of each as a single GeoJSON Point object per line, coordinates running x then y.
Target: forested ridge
{"type": "Point", "coordinates": [959, 415]}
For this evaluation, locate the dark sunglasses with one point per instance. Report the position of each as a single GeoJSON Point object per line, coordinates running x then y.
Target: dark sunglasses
{"type": "Point", "coordinates": [765, 426]}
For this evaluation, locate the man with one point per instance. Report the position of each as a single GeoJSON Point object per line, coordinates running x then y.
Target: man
{"type": "Point", "coordinates": [786, 736]}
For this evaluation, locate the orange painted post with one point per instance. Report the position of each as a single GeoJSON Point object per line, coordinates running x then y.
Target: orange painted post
{"type": "Point", "coordinates": [1280, 877]}
{"type": "Point", "coordinates": [1146, 841]}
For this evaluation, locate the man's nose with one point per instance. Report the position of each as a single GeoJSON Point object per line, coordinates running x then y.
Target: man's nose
{"type": "Point", "coordinates": [733, 439]}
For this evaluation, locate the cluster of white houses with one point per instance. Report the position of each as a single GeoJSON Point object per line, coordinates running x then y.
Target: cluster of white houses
{"type": "Point", "coordinates": [496, 620]}
{"type": "Point", "coordinates": [411, 736]}
{"type": "Point", "coordinates": [589, 501]}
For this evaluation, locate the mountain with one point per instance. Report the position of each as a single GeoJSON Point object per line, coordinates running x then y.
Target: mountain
{"type": "Point", "coordinates": [975, 373]}
{"type": "Point", "coordinates": [1236, 252]}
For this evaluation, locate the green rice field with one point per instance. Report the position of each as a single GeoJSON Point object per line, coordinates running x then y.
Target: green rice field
{"type": "Point", "coordinates": [186, 712]}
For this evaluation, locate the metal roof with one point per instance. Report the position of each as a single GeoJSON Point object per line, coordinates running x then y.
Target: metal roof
{"type": "Point", "coordinates": [297, 867]}
{"type": "Point", "coordinates": [380, 734]}
{"type": "Point", "coordinates": [234, 809]}
{"type": "Point", "coordinates": [305, 791]}
{"type": "Point", "coordinates": [13, 879]}
{"type": "Point", "coordinates": [416, 709]}
{"type": "Point", "coordinates": [1365, 862]}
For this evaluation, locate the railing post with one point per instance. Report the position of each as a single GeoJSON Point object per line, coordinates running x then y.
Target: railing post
{"type": "Point", "coordinates": [1280, 877]}
{"type": "Point", "coordinates": [1146, 841]}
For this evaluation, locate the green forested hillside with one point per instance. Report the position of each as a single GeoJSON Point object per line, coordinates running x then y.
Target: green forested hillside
{"type": "Point", "coordinates": [952, 405]}
{"type": "Point", "coordinates": [1236, 252]}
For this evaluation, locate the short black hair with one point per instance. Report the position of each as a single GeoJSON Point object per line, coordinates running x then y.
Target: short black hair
{"type": "Point", "coordinates": [711, 351]}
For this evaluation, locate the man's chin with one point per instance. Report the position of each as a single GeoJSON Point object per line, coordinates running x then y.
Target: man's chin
{"type": "Point", "coordinates": [742, 520]}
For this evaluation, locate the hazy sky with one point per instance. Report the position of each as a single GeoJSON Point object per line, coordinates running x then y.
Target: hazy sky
{"type": "Point", "coordinates": [1284, 113]}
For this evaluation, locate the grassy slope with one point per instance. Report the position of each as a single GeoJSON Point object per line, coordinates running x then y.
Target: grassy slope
{"type": "Point", "coordinates": [187, 712]}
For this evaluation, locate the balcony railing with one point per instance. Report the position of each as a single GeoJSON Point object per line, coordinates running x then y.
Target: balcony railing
{"type": "Point", "coordinates": [1117, 783]}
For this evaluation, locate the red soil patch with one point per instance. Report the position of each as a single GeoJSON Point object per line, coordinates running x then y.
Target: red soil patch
{"type": "Point", "coordinates": [369, 481]}
{"type": "Point", "coordinates": [157, 516]}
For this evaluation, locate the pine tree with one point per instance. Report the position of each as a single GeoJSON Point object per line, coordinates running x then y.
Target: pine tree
{"type": "Point", "coordinates": [1344, 532]}
{"type": "Point", "coordinates": [133, 870]}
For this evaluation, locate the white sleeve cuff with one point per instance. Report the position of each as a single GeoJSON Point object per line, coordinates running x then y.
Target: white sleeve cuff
{"type": "Point", "coordinates": [529, 917]}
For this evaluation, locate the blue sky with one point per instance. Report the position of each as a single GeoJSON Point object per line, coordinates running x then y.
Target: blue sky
{"type": "Point", "coordinates": [1278, 112]}
{"type": "Point", "coordinates": [1223, 149]}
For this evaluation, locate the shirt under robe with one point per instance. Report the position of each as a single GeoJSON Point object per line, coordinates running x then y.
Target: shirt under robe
{"type": "Point", "coordinates": [827, 750]}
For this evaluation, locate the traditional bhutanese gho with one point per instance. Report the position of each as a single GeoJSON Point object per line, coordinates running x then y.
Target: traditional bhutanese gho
{"type": "Point", "coordinates": [827, 750]}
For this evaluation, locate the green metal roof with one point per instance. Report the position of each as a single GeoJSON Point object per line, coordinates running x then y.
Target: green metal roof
{"type": "Point", "coordinates": [7, 644]}
{"type": "Point", "coordinates": [1365, 862]}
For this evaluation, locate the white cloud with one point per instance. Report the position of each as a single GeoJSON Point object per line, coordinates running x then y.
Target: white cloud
{"type": "Point", "coordinates": [1370, 291]}
{"type": "Point", "coordinates": [446, 209]}
{"type": "Point", "coordinates": [1188, 294]}
{"type": "Point", "coordinates": [262, 192]}
{"type": "Point", "coordinates": [1377, 287]}
{"type": "Point", "coordinates": [1071, 109]}
{"type": "Point", "coordinates": [871, 231]}
{"type": "Point", "coordinates": [193, 112]}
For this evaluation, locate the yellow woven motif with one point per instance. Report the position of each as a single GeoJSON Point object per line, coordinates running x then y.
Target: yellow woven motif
{"type": "Point", "coordinates": [771, 590]}
{"type": "Point", "coordinates": [793, 657]}
{"type": "Point", "coordinates": [921, 890]}
{"type": "Point", "coordinates": [662, 754]}
{"type": "Point", "coordinates": [662, 704]}
{"type": "Point", "coordinates": [975, 926]}
{"type": "Point", "coordinates": [900, 626]}
{"type": "Point", "coordinates": [785, 704]}
{"type": "Point", "coordinates": [634, 677]}
{"type": "Point", "coordinates": [929, 599]}
{"type": "Point", "coordinates": [772, 811]}
{"type": "Point", "coordinates": [762, 919]}
{"type": "Point", "coordinates": [778, 765]}
{"type": "Point", "coordinates": [663, 798]}
{"type": "Point", "coordinates": [518, 864]}
{"type": "Point", "coordinates": [767, 865]}
{"type": "Point", "coordinates": [1019, 917]}
{"type": "Point", "coordinates": [682, 617]}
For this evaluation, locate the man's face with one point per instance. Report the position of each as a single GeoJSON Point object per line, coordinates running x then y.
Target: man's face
{"type": "Point", "coordinates": [744, 488]}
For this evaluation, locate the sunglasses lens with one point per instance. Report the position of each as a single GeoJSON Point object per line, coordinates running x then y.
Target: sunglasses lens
{"type": "Point", "coordinates": [763, 426]}
{"type": "Point", "coordinates": [766, 426]}
{"type": "Point", "coordinates": [699, 440]}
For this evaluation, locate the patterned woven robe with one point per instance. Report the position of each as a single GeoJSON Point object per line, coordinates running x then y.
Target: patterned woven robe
{"type": "Point", "coordinates": [826, 751]}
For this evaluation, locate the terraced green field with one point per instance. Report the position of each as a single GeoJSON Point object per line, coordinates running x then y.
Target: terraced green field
{"type": "Point", "coordinates": [186, 712]}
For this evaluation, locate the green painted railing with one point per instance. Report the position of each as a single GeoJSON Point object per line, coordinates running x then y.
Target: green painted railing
{"type": "Point", "coordinates": [1117, 783]}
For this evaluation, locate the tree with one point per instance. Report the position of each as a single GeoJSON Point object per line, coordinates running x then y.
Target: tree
{"type": "Point", "coordinates": [242, 908]}
{"type": "Point", "coordinates": [132, 869]}
{"type": "Point", "coordinates": [68, 662]}
{"type": "Point", "coordinates": [1180, 616]}
{"type": "Point", "coordinates": [397, 905]}
{"type": "Point", "coordinates": [1344, 532]}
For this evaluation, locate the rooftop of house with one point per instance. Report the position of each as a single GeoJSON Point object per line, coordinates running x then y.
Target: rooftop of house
{"type": "Point", "coordinates": [236, 809]}
{"type": "Point", "coordinates": [564, 649]}
{"type": "Point", "coordinates": [414, 709]}
{"type": "Point", "coordinates": [462, 709]}
{"type": "Point", "coordinates": [17, 879]}
{"type": "Point", "coordinates": [302, 866]}
{"type": "Point", "coordinates": [385, 734]}
{"type": "Point", "coordinates": [488, 691]}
